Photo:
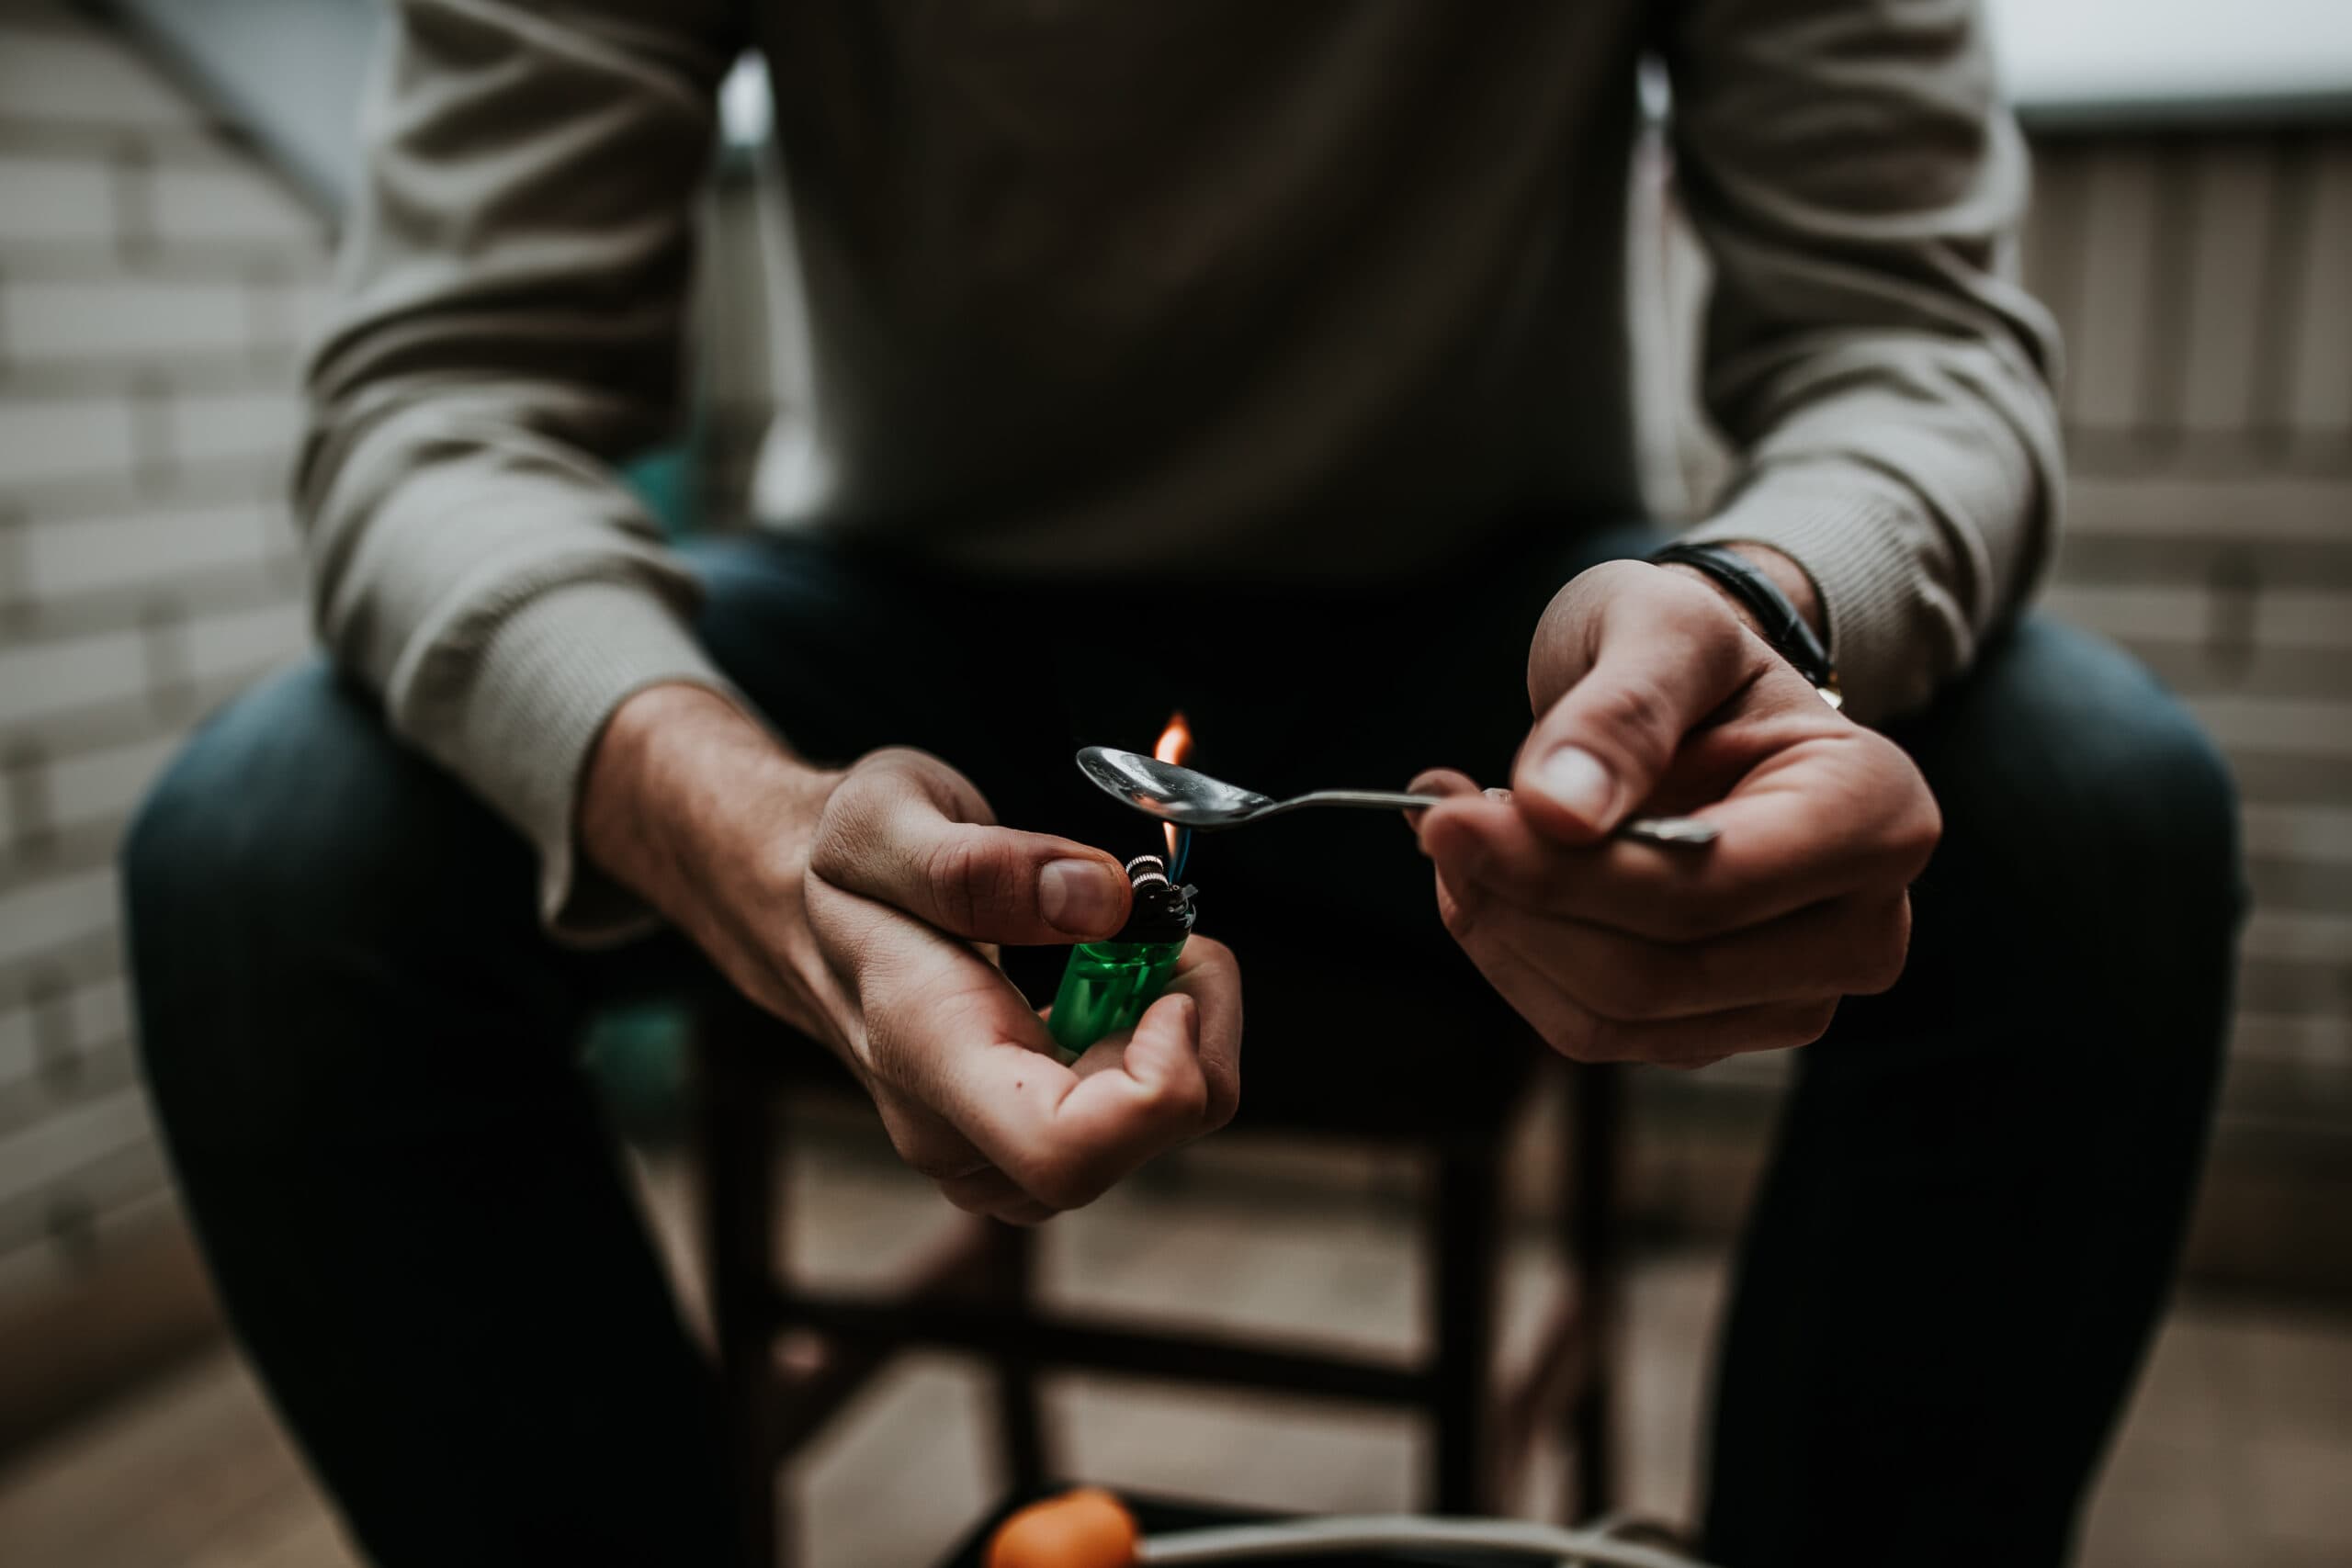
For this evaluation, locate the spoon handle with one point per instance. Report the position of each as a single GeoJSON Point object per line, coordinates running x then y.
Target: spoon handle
{"type": "Point", "coordinates": [1379, 799]}
{"type": "Point", "coordinates": [1673, 832]}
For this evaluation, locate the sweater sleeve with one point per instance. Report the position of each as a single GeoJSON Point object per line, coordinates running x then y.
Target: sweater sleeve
{"type": "Point", "coordinates": [509, 322]}
{"type": "Point", "coordinates": [1858, 183]}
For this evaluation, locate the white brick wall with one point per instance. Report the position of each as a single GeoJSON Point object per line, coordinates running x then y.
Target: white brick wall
{"type": "Point", "coordinates": [218, 426]}
{"type": "Point", "coordinates": [2290, 617]}
{"type": "Point", "coordinates": [78, 1136]}
{"type": "Point", "coordinates": [94, 1016]}
{"type": "Point", "coordinates": [46, 679]}
{"type": "Point", "coordinates": [154, 289]}
{"type": "Point", "coordinates": [132, 316]}
{"type": "Point", "coordinates": [2279, 726]}
{"type": "Point", "coordinates": [245, 642]}
{"type": "Point", "coordinates": [227, 202]}
{"type": "Point", "coordinates": [105, 785]}
{"type": "Point", "coordinates": [2320, 395]}
{"type": "Point", "coordinates": [2320, 834]}
{"type": "Point", "coordinates": [66, 556]}
{"type": "Point", "coordinates": [2108, 335]}
{"type": "Point", "coordinates": [52, 197]}
{"type": "Point", "coordinates": [17, 1057]}
{"type": "Point", "coordinates": [67, 77]}
{"type": "Point", "coordinates": [44, 440]}
{"type": "Point", "coordinates": [40, 916]}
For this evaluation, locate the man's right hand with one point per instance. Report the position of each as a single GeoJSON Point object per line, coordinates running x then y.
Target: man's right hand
{"type": "Point", "coordinates": [864, 907]}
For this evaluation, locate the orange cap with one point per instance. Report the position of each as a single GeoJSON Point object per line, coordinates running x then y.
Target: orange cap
{"type": "Point", "coordinates": [1085, 1528]}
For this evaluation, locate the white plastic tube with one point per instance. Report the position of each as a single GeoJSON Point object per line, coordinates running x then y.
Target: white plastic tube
{"type": "Point", "coordinates": [1373, 1532]}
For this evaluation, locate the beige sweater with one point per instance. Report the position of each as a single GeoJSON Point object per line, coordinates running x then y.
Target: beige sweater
{"type": "Point", "coordinates": [1225, 285]}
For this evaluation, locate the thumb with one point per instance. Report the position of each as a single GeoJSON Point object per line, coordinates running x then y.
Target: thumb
{"type": "Point", "coordinates": [900, 829]}
{"type": "Point", "coordinates": [1644, 659]}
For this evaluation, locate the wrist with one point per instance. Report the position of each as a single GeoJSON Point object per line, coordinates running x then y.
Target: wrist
{"type": "Point", "coordinates": [682, 787]}
{"type": "Point", "coordinates": [1746, 579]}
{"type": "Point", "coordinates": [1790, 578]}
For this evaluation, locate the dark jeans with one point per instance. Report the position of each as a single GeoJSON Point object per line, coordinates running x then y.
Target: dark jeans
{"type": "Point", "coordinates": [362, 1047]}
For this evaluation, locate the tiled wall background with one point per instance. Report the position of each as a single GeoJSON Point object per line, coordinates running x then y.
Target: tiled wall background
{"type": "Point", "coordinates": [155, 284]}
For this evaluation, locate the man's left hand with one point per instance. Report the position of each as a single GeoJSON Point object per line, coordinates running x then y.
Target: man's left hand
{"type": "Point", "coordinates": [1651, 693]}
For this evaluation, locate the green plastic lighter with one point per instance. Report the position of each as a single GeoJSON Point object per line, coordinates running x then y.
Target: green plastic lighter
{"type": "Point", "coordinates": [1108, 985]}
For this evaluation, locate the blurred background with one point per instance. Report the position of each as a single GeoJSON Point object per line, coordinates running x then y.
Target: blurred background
{"type": "Point", "coordinates": [171, 172]}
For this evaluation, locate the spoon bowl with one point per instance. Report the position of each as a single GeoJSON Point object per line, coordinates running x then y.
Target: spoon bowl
{"type": "Point", "coordinates": [1190, 798]}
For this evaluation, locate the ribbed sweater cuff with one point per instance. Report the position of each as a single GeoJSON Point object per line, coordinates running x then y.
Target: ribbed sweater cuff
{"type": "Point", "coordinates": [546, 680]}
{"type": "Point", "coordinates": [1852, 535]}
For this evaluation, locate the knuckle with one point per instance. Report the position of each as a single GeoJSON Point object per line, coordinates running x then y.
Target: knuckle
{"type": "Point", "coordinates": [1812, 1020]}
{"type": "Point", "coordinates": [993, 882]}
{"type": "Point", "coordinates": [1207, 950]}
{"type": "Point", "coordinates": [1606, 1040]}
{"type": "Point", "coordinates": [934, 779]}
{"type": "Point", "coordinates": [1641, 715]}
{"type": "Point", "coordinates": [1565, 1042]}
{"type": "Point", "coordinates": [1063, 1182]}
{"type": "Point", "coordinates": [829, 848]}
{"type": "Point", "coordinates": [932, 1154]}
{"type": "Point", "coordinates": [848, 832]}
{"type": "Point", "coordinates": [892, 1056]}
{"type": "Point", "coordinates": [965, 882]}
{"type": "Point", "coordinates": [1181, 1101]}
{"type": "Point", "coordinates": [1916, 837]}
{"type": "Point", "coordinates": [1189, 1102]}
{"type": "Point", "coordinates": [1224, 1096]}
{"type": "Point", "coordinates": [961, 1196]}
{"type": "Point", "coordinates": [1584, 1038]}
{"type": "Point", "coordinates": [1454, 912]}
{"type": "Point", "coordinates": [1886, 950]}
{"type": "Point", "coordinates": [1916, 824]}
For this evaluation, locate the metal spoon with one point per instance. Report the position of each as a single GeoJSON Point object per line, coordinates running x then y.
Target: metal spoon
{"type": "Point", "coordinates": [1192, 799]}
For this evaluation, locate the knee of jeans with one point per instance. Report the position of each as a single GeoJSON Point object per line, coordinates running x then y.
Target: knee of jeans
{"type": "Point", "coordinates": [2115, 810]}
{"type": "Point", "coordinates": [2189, 820]}
{"type": "Point", "coordinates": [293, 820]}
{"type": "Point", "coordinates": [2156, 816]}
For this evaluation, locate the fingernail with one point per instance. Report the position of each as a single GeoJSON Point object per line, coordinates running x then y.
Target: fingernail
{"type": "Point", "coordinates": [1080, 897]}
{"type": "Point", "coordinates": [1578, 780]}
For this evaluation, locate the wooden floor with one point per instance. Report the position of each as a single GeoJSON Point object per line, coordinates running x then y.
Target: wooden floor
{"type": "Point", "coordinates": [2238, 1450]}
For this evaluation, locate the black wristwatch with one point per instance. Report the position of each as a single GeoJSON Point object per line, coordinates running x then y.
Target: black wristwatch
{"type": "Point", "coordinates": [1777, 619]}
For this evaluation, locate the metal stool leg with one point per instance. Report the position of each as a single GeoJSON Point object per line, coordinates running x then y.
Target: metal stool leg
{"type": "Point", "coordinates": [1465, 1249]}
{"type": "Point", "coordinates": [1597, 1108]}
{"type": "Point", "coordinates": [736, 1124]}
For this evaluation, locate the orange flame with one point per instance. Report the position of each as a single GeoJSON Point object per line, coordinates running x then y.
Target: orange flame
{"type": "Point", "coordinates": [1175, 745]}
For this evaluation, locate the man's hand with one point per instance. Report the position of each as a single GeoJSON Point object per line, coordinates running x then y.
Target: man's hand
{"type": "Point", "coordinates": [862, 907]}
{"type": "Point", "coordinates": [1652, 694]}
